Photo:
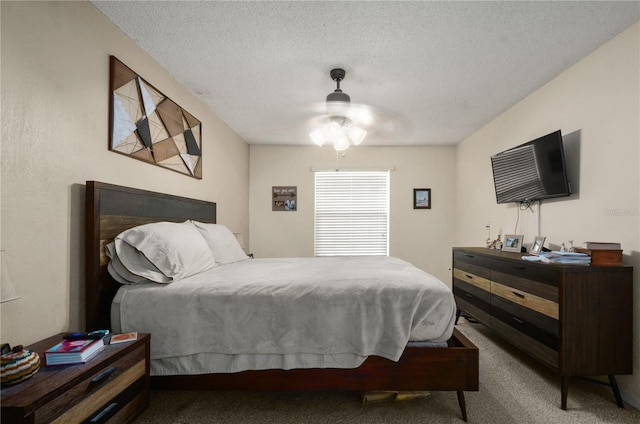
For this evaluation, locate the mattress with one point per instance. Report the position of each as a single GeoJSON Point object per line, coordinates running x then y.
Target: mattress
{"type": "Point", "coordinates": [286, 313]}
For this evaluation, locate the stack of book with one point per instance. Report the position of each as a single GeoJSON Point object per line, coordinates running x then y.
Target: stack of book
{"type": "Point", "coordinates": [78, 348]}
{"type": "Point", "coordinates": [603, 253]}
{"type": "Point", "coordinates": [73, 351]}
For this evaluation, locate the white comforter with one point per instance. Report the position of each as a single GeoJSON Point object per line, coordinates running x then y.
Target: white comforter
{"type": "Point", "coordinates": [332, 307]}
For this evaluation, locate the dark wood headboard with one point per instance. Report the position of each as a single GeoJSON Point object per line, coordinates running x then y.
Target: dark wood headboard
{"type": "Point", "coordinates": [111, 209]}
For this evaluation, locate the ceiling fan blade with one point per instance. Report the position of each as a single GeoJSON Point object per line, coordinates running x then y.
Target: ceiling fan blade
{"type": "Point", "coordinates": [383, 127]}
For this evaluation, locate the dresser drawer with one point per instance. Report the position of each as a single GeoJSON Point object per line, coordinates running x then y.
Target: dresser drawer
{"type": "Point", "coordinates": [473, 295]}
{"type": "Point", "coordinates": [528, 344]}
{"type": "Point", "coordinates": [535, 325]}
{"type": "Point", "coordinates": [88, 396]}
{"type": "Point", "coordinates": [474, 264]}
{"type": "Point", "coordinates": [522, 284]}
{"type": "Point", "coordinates": [536, 272]}
{"type": "Point", "coordinates": [483, 283]}
{"type": "Point", "coordinates": [526, 300]}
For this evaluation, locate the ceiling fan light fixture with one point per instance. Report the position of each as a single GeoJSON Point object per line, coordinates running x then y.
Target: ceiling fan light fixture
{"type": "Point", "coordinates": [333, 130]}
{"type": "Point", "coordinates": [338, 129]}
{"type": "Point", "coordinates": [341, 143]}
{"type": "Point", "coordinates": [357, 134]}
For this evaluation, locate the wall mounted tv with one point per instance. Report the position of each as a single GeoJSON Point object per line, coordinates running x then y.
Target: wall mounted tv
{"type": "Point", "coordinates": [531, 171]}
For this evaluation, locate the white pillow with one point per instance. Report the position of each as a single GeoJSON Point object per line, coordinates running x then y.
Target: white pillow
{"type": "Point", "coordinates": [223, 244]}
{"type": "Point", "coordinates": [164, 251]}
{"type": "Point", "coordinates": [118, 271]}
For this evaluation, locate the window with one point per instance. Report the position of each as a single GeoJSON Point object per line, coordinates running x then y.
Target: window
{"type": "Point", "coordinates": [351, 213]}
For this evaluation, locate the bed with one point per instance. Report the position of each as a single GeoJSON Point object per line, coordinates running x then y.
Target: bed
{"type": "Point", "coordinates": [112, 209]}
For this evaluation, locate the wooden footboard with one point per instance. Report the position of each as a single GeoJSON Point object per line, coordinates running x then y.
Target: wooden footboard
{"type": "Point", "coordinates": [452, 368]}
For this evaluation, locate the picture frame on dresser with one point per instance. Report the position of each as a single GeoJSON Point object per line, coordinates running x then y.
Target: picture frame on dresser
{"type": "Point", "coordinates": [536, 246]}
{"type": "Point", "coordinates": [513, 242]}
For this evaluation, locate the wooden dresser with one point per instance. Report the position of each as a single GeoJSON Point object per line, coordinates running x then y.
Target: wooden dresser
{"type": "Point", "coordinates": [112, 387]}
{"type": "Point", "coordinates": [575, 319]}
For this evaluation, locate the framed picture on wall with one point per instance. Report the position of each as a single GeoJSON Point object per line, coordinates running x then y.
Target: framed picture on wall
{"type": "Point", "coordinates": [421, 198]}
{"type": "Point", "coordinates": [285, 198]}
{"type": "Point", "coordinates": [513, 243]}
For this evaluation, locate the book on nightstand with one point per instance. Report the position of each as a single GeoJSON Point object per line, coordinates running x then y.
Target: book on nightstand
{"type": "Point", "coordinates": [73, 351]}
{"type": "Point", "coordinates": [124, 337]}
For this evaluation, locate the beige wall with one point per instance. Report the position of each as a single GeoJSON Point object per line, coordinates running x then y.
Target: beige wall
{"type": "Point", "coordinates": [55, 97]}
{"type": "Point", "coordinates": [422, 237]}
{"type": "Point", "coordinates": [596, 104]}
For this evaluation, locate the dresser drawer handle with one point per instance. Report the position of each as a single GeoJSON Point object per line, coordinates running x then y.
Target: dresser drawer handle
{"type": "Point", "coordinates": [96, 418]}
{"type": "Point", "coordinates": [470, 296]}
{"type": "Point", "coordinates": [99, 378]}
{"type": "Point", "coordinates": [518, 320]}
{"type": "Point", "coordinates": [469, 276]}
{"type": "Point", "coordinates": [520, 295]}
{"type": "Point", "coordinates": [469, 256]}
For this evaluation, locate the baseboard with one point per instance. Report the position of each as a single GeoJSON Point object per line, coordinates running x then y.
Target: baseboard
{"type": "Point", "coordinates": [632, 402]}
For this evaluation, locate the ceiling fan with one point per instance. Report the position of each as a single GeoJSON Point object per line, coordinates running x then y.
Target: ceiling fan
{"type": "Point", "coordinates": [342, 125]}
{"type": "Point", "coordinates": [335, 121]}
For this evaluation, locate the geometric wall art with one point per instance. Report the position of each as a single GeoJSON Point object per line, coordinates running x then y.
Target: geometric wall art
{"type": "Point", "coordinates": [147, 125]}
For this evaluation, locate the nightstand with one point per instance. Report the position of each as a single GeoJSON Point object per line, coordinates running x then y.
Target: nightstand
{"type": "Point", "coordinates": [112, 387]}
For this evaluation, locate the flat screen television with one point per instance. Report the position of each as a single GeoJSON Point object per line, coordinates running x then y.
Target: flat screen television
{"type": "Point", "coordinates": [531, 171]}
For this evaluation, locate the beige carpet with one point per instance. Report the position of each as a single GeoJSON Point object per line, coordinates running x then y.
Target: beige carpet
{"type": "Point", "coordinates": [513, 389]}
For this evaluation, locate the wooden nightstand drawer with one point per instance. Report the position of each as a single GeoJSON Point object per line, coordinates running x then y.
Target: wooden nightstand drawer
{"type": "Point", "coordinates": [112, 387]}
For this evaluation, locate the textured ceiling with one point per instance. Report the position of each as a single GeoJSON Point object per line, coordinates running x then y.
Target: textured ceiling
{"type": "Point", "coordinates": [433, 72]}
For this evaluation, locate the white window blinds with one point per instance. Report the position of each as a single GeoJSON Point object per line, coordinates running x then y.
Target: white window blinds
{"type": "Point", "coordinates": [351, 213]}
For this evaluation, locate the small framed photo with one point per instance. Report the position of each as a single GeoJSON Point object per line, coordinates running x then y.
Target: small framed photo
{"type": "Point", "coordinates": [421, 198]}
{"type": "Point", "coordinates": [284, 198]}
{"type": "Point", "coordinates": [536, 246]}
{"type": "Point", "coordinates": [512, 243]}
